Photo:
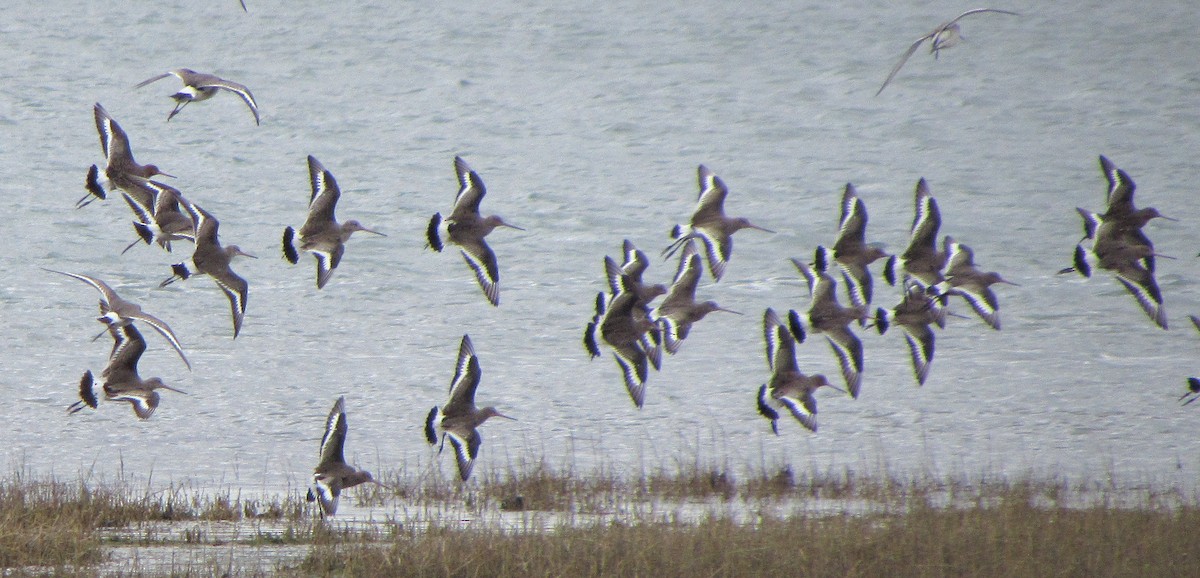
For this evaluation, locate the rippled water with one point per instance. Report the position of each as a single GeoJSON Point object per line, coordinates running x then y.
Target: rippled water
{"type": "Point", "coordinates": [587, 123]}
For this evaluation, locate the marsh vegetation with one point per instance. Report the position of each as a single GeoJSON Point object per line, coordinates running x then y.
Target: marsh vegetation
{"type": "Point", "coordinates": [532, 519]}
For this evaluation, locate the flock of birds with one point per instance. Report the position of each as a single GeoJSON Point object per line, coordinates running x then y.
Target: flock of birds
{"type": "Point", "coordinates": [930, 272]}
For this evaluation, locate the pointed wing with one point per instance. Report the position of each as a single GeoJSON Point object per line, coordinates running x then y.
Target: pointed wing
{"type": "Point", "coordinates": [977, 11]}
{"type": "Point", "coordinates": [926, 222]}
{"type": "Point", "coordinates": [462, 395]}
{"type": "Point", "coordinates": [1120, 189]}
{"type": "Point", "coordinates": [466, 350]}
{"type": "Point", "coordinates": [325, 194]}
{"type": "Point", "coordinates": [920, 346]}
{"type": "Point", "coordinates": [810, 276]}
{"type": "Point", "coordinates": [983, 301]}
{"type": "Point", "coordinates": [465, 451]}
{"type": "Point", "coordinates": [961, 260]}
{"type": "Point", "coordinates": [718, 247]}
{"type": "Point", "coordinates": [106, 292]}
{"type": "Point", "coordinates": [237, 89]}
{"type": "Point", "coordinates": [470, 192]}
{"type": "Point", "coordinates": [1141, 284]}
{"type": "Point", "coordinates": [122, 365]}
{"type": "Point", "coordinates": [858, 284]}
{"type": "Point", "coordinates": [613, 272]}
{"type": "Point", "coordinates": [683, 291]}
{"type": "Point", "coordinates": [482, 260]}
{"type": "Point", "coordinates": [154, 79]}
{"type": "Point", "coordinates": [143, 402]}
{"type": "Point", "coordinates": [163, 329]}
{"type": "Point", "coordinates": [237, 290]}
{"type": "Point", "coordinates": [771, 338]}
{"type": "Point", "coordinates": [900, 63]}
{"type": "Point", "coordinates": [711, 201]}
{"type": "Point", "coordinates": [849, 352]}
{"type": "Point", "coordinates": [327, 262]}
{"type": "Point", "coordinates": [328, 492]}
{"type": "Point", "coordinates": [334, 439]}
{"type": "Point", "coordinates": [636, 261]}
{"type": "Point", "coordinates": [853, 224]}
{"type": "Point", "coordinates": [113, 140]}
{"type": "Point", "coordinates": [803, 408]}
{"type": "Point", "coordinates": [1091, 222]}
{"type": "Point", "coordinates": [781, 345]}
{"type": "Point", "coordinates": [634, 368]}
{"type": "Point", "coordinates": [674, 332]}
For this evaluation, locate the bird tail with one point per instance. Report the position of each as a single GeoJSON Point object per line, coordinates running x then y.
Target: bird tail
{"type": "Point", "coordinates": [289, 246]}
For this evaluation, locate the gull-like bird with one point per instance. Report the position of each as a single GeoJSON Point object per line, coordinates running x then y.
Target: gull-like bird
{"type": "Point", "coordinates": [121, 379]}
{"type": "Point", "coordinates": [459, 419]}
{"type": "Point", "coordinates": [212, 259]}
{"type": "Point", "coordinates": [333, 474]}
{"type": "Point", "coordinates": [198, 86]}
{"type": "Point", "coordinates": [321, 234]}
{"type": "Point", "coordinates": [825, 315]}
{"type": "Point", "coordinates": [788, 387]}
{"type": "Point", "coordinates": [467, 229]}
{"type": "Point", "coordinates": [944, 36]}
{"type": "Point", "coordinates": [710, 225]}
{"type": "Point", "coordinates": [851, 251]}
{"type": "Point", "coordinates": [679, 309]}
{"type": "Point", "coordinates": [115, 311]}
{"type": "Point", "coordinates": [120, 168]}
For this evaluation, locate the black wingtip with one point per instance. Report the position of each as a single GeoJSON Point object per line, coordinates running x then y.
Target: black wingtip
{"type": "Point", "coordinates": [431, 233]}
{"type": "Point", "coordinates": [289, 247]}
{"type": "Point", "coordinates": [430, 431]}
{"type": "Point", "coordinates": [881, 320]}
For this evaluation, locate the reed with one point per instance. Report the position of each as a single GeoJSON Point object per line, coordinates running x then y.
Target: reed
{"type": "Point", "coordinates": [693, 519]}
{"type": "Point", "coordinates": [1012, 538]}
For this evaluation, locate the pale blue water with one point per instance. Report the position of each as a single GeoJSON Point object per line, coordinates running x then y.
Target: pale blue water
{"type": "Point", "coordinates": [587, 123]}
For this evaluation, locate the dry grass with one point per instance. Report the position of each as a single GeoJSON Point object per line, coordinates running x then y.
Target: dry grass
{"type": "Point", "coordinates": [55, 524]}
{"type": "Point", "coordinates": [759, 523]}
{"type": "Point", "coordinates": [1013, 538]}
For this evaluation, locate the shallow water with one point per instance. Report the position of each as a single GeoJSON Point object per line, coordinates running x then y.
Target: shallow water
{"type": "Point", "coordinates": [587, 123]}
